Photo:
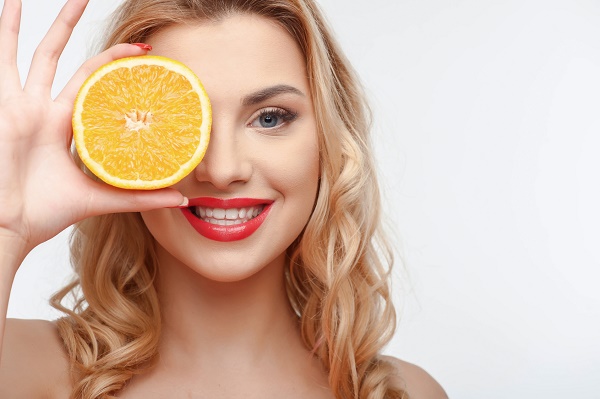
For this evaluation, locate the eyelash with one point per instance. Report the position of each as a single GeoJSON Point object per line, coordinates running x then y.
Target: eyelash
{"type": "Point", "coordinates": [284, 114]}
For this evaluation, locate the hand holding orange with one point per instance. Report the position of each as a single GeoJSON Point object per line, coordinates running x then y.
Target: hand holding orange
{"type": "Point", "coordinates": [142, 122]}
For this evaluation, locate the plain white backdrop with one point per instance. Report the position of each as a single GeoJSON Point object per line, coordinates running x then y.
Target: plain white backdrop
{"type": "Point", "coordinates": [487, 133]}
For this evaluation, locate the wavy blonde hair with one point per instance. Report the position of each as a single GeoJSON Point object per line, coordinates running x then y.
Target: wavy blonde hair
{"type": "Point", "coordinates": [338, 274]}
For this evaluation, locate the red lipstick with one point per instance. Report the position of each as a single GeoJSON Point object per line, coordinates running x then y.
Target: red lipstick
{"type": "Point", "coordinates": [222, 233]}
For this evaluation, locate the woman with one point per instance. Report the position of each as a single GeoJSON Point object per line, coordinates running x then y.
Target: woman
{"type": "Point", "coordinates": [299, 308]}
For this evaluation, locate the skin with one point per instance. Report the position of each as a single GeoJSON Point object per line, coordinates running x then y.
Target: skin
{"type": "Point", "coordinates": [238, 285]}
{"type": "Point", "coordinates": [243, 159]}
{"type": "Point", "coordinates": [228, 329]}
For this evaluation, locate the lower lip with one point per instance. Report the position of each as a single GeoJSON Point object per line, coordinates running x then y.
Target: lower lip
{"type": "Point", "coordinates": [234, 232]}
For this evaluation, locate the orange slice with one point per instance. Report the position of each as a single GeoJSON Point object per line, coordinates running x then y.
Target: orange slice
{"type": "Point", "coordinates": [142, 122]}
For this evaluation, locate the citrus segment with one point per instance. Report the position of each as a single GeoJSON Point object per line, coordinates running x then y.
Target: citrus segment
{"type": "Point", "coordinates": [142, 122]}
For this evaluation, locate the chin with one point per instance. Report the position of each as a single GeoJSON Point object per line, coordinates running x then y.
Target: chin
{"type": "Point", "coordinates": [224, 263]}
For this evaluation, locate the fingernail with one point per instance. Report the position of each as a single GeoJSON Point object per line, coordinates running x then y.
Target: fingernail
{"type": "Point", "coordinates": [184, 203]}
{"type": "Point", "coordinates": [143, 46]}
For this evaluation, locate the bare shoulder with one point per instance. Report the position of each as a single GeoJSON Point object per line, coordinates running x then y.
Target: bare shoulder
{"type": "Point", "coordinates": [34, 363]}
{"type": "Point", "coordinates": [415, 381]}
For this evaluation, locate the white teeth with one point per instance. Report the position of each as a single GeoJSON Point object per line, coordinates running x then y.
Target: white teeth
{"type": "Point", "coordinates": [218, 213]}
{"type": "Point", "coordinates": [227, 217]}
{"type": "Point", "coordinates": [231, 214]}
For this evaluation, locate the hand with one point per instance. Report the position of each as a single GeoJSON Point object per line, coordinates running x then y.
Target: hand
{"type": "Point", "coordinates": [42, 191]}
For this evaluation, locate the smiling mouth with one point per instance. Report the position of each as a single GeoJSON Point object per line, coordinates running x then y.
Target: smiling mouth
{"type": "Point", "coordinates": [226, 217]}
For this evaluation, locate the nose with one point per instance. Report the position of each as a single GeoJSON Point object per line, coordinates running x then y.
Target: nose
{"type": "Point", "coordinates": [226, 161]}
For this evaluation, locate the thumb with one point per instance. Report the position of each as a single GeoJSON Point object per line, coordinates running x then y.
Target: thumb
{"type": "Point", "coordinates": [115, 200]}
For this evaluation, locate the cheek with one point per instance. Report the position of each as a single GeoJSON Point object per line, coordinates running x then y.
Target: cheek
{"type": "Point", "coordinates": [294, 168]}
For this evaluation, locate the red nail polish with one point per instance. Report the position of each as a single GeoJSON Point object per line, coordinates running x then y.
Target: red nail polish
{"type": "Point", "coordinates": [143, 46]}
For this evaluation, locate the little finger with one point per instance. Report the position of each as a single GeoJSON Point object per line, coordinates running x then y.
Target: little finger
{"type": "Point", "coordinates": [10, 21]}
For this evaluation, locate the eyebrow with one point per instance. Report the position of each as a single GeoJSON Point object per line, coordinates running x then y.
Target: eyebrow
{"type": "Point", "coordinates": [268, 92]}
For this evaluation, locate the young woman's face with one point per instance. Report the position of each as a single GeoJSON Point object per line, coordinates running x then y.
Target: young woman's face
{"type": "Point", "coordinates": [254, 191]}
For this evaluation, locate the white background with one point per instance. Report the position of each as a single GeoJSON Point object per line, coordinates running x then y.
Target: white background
{"type": "Point", "coordinates": [487, 134]}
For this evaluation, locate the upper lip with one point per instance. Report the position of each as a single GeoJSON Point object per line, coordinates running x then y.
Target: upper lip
{"type": "Point", "coordinates": [225, 203]}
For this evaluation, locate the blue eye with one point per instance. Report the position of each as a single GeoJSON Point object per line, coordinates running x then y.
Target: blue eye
{"type": "Point", "coordinates": [268, 120]}
{"type": "Point", "coordinates": [272, 118]}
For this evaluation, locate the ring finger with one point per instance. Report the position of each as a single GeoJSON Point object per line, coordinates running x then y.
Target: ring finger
{"type": "Point", "coordinates": [45, 59]}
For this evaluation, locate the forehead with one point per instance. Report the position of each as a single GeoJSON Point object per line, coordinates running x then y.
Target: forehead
{"type": "Point", "coordinates": [239, 53]}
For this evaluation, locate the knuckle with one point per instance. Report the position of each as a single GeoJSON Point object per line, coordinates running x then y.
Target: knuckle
{"type": "Point", "coordinates": [48, 54]}
{"type": "Point", "coordinates": [119, 50]}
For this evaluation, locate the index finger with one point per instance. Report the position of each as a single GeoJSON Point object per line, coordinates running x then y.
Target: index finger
{"type": "Point", "coordinates": [69, 92]}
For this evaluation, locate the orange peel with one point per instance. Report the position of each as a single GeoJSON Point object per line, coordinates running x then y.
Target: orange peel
{"type": "Point", "coordinates": [142, 122]}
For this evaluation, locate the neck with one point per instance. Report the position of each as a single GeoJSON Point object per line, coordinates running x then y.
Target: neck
{"type": "Point", "coordinates": [221, 322]}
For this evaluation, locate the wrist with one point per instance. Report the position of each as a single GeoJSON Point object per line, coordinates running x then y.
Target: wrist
{"type": "Point", "coordinates": [13, 251]}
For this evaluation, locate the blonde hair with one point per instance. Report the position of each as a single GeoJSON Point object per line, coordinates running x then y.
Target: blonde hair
{"type": "Point", "coordinates": [338, 274]}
